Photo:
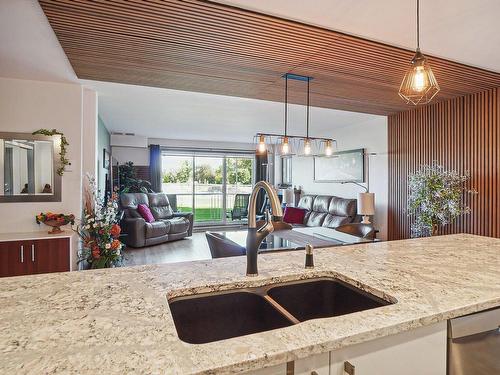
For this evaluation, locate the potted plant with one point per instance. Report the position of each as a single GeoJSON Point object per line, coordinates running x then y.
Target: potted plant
{"type": "Point", "coordinates": [99, 229]}
{"type": "Point", "coordinates": [435, 198]}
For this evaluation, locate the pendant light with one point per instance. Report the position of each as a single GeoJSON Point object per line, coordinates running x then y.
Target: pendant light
{"type": "Point", "coordinates": [261, 148]}
{"type": "Point", "coordinates": [328, 148]}
{"type": "Point", "coordinates": [285, 146]}
{"type": "Point", "coordinates": [419, 85]}
{"type": "Point", "coordinates": [307, 141]}
{"type": "Point", "coordinates": [287, 143]}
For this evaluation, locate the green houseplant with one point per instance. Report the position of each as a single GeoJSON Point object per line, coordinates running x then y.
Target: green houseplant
{"type": "Point", "coordinates": [129, 183]}
{"type": "Point", "coordinates": [436, 198]}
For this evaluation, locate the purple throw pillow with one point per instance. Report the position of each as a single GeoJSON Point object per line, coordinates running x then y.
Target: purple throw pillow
{"type": "Point", "coordinates": [294, 215]}
{"type": "Point", "coordinates": [145, 212]}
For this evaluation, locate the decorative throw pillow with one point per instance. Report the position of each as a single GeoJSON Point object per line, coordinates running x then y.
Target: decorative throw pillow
{"type": "Point", "coordinates": [145, 212]}
{"type": "Point", "coordinates": [294, 215]}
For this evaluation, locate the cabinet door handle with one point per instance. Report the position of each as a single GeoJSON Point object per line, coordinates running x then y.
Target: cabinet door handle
{"type": "Point", "coordinates": [349, 368]}
{"type": "Point", "coordinates": [21, 252]}
{"type": "Point", "coordinates": [33, 252]}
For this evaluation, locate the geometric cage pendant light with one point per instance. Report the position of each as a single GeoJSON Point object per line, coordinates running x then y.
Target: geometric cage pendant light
{"type": "Point", "coordinates": [419, 85]}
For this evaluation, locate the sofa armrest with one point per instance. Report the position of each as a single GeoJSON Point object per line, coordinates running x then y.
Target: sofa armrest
{"type": "Point", "coordinates": [135, 230]}
{"type": "Point", "coordinates": [190, 217]}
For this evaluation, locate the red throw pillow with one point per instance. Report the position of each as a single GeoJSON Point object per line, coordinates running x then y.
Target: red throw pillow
{"type": "Point", "coordinates": [294, 215]}
{"type": "Point", "coordinates": [145, 212]}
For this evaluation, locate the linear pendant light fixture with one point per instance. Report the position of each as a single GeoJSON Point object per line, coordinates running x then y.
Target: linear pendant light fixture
{"type": "Point", "coordinates": [419, 85]}
{"type": "Point", "coordinates": [284, 141]}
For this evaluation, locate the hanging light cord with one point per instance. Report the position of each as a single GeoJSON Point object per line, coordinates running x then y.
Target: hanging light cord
{"type": "Point", "coordinates": [418, 25]}
{"type": "Point", "coordinates": [286, 102]}
{"type": "Point", "coordinates": [307, 120]}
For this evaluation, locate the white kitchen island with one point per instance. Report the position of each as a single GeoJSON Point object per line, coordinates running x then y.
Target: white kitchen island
{"type": "Point", "coordinates": [118, 321]}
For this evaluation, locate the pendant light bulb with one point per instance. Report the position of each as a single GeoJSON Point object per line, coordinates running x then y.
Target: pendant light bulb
{"type": "Point", "coordinates": [419, 86]}
{"type": "Point", "coordinates": [419, 79]}
{"type": "Point", "coordinates": [262, 145]}
{"type": "Point", "coordinates": [307, 147]}
{"type": "Point", "coordinates": [328, 148]}
{"type": "Point", "coordinates": [285, 146]}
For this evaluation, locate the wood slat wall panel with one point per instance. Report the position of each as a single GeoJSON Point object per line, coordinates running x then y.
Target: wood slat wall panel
{"type": "Point", "coordinates": [461, 133]}
{"type": "Point", "coordinates": [213, 48]}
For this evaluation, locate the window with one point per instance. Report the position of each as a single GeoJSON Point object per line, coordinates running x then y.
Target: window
{"type": "Point", "coordinates": [215, 186]}
{"type": "Point", "coordinates": [286, 170]}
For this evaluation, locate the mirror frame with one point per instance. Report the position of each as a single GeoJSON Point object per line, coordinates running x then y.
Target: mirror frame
{"type": "Point", "coordinates": [57, 186]}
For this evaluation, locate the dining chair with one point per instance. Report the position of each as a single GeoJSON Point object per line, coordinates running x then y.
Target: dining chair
{"type": "Point", "coordinates": [222, 247]}
{"type": "Point", "coordinates": [358, 229]}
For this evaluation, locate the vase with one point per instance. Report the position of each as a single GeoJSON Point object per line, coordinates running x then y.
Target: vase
{"type": "Point", "coordinates": [56, 226]}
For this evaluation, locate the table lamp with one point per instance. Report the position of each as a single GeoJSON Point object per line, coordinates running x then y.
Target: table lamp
{"type": "Point", "coordinates": [366, 206]}
{"type": "Point", "coordinates": [288, 197]}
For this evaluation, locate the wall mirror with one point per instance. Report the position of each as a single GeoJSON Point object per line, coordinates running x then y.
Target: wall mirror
{"type": "Point", "coordinates": [28, 165]}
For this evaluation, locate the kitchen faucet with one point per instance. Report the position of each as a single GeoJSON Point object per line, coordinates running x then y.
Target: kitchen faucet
{"type": "Point", "coordinates": [256, 236]}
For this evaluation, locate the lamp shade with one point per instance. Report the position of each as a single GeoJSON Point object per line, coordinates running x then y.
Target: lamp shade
{"type": "Point", "coordinates": [366, 204]}
{"type": "Point", "coordinates": [288, 196]}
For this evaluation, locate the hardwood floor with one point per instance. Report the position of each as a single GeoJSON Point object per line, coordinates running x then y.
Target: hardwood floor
{"type": "Point", "coordinates": [188, 249]}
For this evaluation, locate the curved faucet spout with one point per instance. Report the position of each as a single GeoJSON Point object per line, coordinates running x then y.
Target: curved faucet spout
{"type": "Point", "coordinates": [256, 236]}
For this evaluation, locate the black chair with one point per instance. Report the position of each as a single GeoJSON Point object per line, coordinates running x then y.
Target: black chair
{"type": "Point", "coordinates": [359, 230]}
{"type": "Point", "coordinates": [221, 247]}
{"type": "Point", "coordinates": [240, 207]}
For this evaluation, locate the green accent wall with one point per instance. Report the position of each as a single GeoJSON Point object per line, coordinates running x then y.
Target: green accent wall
{"type": "Point", "coordinates": [103, 142]}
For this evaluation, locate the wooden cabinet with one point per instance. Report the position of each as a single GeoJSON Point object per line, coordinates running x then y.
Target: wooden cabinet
{"type": "Point", "coordinates": [34, 256]}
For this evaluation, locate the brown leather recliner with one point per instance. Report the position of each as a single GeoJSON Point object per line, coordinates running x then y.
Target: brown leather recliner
{"type": "Point", "coordinates": [328, 210]}
{"type": "Point", "coordinates": [168, 225]}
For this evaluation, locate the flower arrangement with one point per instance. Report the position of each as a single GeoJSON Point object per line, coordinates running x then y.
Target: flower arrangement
{"type": "Point", "coordinates": [435, 198]}
{"type": "Point", "coordinates": [99, 229]}
{"type": "Point", "coordinates": [55, 220]}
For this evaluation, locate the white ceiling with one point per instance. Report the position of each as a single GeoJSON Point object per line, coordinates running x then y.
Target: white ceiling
{"type": "Point", "coordinates": [29, 48]}
{"type": "Point", "coordinates": [461, 30]}
{"type": "Point", "coordinates": [163, 113]}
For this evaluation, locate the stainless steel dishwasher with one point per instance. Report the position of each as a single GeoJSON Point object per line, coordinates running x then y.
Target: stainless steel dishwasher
{"type": "Point", "coordinates": [474, 344]}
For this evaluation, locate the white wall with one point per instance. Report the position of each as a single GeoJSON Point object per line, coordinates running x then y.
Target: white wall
{"type": "Point", "coordinates": [26, 106]}
{"type": "Point", "coordinates": [370, 135]}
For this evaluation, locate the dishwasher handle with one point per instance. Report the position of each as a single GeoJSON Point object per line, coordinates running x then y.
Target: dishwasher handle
{"type": "Point", "coordinates": [475, 323]}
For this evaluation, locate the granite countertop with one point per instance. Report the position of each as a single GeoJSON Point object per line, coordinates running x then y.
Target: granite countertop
{"type": "Point", "coordinates": [118, 321]}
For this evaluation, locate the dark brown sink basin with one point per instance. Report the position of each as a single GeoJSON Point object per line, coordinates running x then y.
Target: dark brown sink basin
{"type": "Point", "coordinates": [202, 319]}
{"type": "Point", "coordinates": [217, 316]}
{"type": "Point", "coordinates": [310, 299]}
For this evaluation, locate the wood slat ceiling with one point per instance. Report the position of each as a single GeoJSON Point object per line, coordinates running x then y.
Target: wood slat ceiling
{"type": "Point", "coordinates": [212, 48]}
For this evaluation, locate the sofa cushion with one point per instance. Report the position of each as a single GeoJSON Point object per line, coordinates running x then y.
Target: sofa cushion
{"type": "Point", "coordinates": [145, 212]}
{"type": "Point", "coordinates": [333, 221]}
{"type": "Point", "coordinates": [315, 219]}
{"type": "Point", "coordinates": [160, 206]}
{"type": "Point", "coordinates": [294, 215]}
{"type": "Point", "coordinates": [306, 202]}
{"type": "Point", "coordinates": [157, 229]}
{"type": "Point", "coordinates": [321, 203]}
{"type": "Point", "coordinates": [177, 225]}
{"type": "Point", "coordinates": [343, 207]}
{"type": "Point", "coordinates": [129, 203]}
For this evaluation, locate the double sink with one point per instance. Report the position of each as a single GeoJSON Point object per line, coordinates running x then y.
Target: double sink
{"type": "Point", "coordinates": [209, 317]}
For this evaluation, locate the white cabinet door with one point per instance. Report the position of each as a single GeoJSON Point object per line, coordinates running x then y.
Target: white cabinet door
{"type": "Point", "coordinates": [319, 363]}
{"type": "Point", "coordinates": [421, 351]}
{"type": "Point", "coordinates": [274, 370]}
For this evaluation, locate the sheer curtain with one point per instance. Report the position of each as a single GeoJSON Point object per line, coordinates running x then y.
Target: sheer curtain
{"type": "Point", "coordinates": [155, 167]}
